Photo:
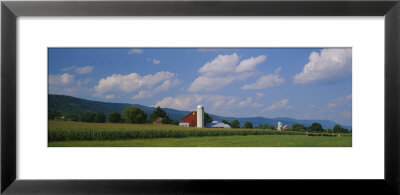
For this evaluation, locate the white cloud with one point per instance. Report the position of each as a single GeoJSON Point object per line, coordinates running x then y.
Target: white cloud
{"type": "Point", "coordinates": [223, 70]}
{"type": "Point", "coordinates": [246, 102]}
{"type": "Point", "coordinates": [66, 84]}
{"type": "Point", "coordinates": [165, 86]}
{"type": "Point", "coordinates": [249, 102]}
{"type": "Point", "coordinates": [155, 61]}
{"type": "Point", "coordinates": [215, 104]}
{"type": "Point", "coordinates": [79, 69]}
{"type": "Point", "coordinates": [257, 105]}
{"type": "Point", "coordinates": [341, 101]}
{"type": "Point", "coordinates": [266, 81]}
{"type": "Point", "coordinates": [69, 68]}
{"type": "Point", "coordinates": [281, 104]}
{"type": "Point", "coordinates": [61, 79]}
{"type": "Point", "coordinates": [84, 69]}
{"type": "Point", "coordinates": [204, 83]}
{"type": "Point", "coordinates": [260, 94]}
{"type": "Point", "coordinates": [135, 51]}
{"type": "Point", "coordinates": [327, 66]}
{"type": "Point", "coordinates": [110, 96]}
{"type": "Point", "coordinates": [250, 64]}
{"type": "Point", "coordinates": [222, 64]}
{"type": "Point", "coordinates": [148, 84]}
{"type": "Point", "coordinates": [190, 101]}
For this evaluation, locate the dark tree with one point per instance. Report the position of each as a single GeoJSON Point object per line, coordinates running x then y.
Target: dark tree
{"type": "Point", "coordinates": [248, 125]}
{"type": "Point", "coordinates": [175, 122]}
{"type": "Point", "coordinates": [134, 115]}
{"type": "Point", "coordinates": [88, 117]}
{"type": "Point", "coordinates": [272, 127]}
{"type": "Point", "coordinates": [207, 118]}
{"type": "Point", "coordinates": [235, 124]}
{"type": "Point", "coordinates": [100, 117]}
{"type": "Point", "coordinates": [316, 127]}
{"type": "Point", "coordinates": [72, 117]}
{"type": "Point", "coordinates": [225, 121]}
{"type": "Point", "coordinates": [340, 129]}
{"type": "Point", "coordinates": [260, 126]}
{"type": "Point", "coordinates": [114, 117]}
{"type": "Point", "coordinates": [159, 113]}
{"type": "Point", "coordinates": [54, 115]}
{"type": "Point", "coordinates": [298, 127]}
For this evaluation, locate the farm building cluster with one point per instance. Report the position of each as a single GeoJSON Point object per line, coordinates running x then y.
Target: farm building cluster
{"type": "Point", "coordinates": [196, 119]}
{"type": "Point", "coordinates": [280, 128]}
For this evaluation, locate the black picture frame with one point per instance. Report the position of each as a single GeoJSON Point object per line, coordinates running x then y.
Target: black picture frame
{"type": "Point", "coordinates": [11, 10]}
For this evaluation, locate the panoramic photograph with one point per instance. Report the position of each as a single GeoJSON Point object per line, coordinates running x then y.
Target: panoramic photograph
{"type": "Point", "coordinates": [200, 97]}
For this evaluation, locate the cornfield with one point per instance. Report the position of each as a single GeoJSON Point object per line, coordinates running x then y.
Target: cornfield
{"type": "Point", "coordinates": [65, 131]}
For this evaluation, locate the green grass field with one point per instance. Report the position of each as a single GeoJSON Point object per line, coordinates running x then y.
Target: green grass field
{"type": "Point", "coordinates": [217, 141]}
{"type": "Point", "coordinates": [78, 134]}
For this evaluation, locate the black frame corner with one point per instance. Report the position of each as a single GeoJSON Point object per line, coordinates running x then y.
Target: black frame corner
{"type": "Point", "coordinates": [11, 10]}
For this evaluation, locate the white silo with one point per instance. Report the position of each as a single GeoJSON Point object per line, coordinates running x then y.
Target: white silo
{"type": "Point", "coordinates": [200, 116]}
{"type": "Point", "coordinates": [279, 126]}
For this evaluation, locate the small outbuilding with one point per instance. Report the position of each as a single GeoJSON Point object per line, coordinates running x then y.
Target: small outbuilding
{"type": "Point", "coordinates": [216, 124]}
{"type": "Point", "coordinates": [157, 121]}
{"type": "Point", "coordinates": [184, 124]}
{"type": "Point", "coordinates": [286, 127]}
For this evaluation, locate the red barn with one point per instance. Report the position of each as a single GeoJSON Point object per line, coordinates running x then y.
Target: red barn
{"type": "Point", "coordinates": [191, 119]}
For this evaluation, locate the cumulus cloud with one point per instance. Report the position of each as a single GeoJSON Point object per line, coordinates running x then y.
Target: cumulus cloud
{"type": "Point", "coordinates": [165, 86]}
{"type": "Point", "coordinates": [135, 51]}
{"type": "Point", "coordinates": [189, 101]}
{"type": "Point", "coordinates": [155, 61]}
{"type": "Point", "coordinates": [69, 68]}
{"type": "Point", "coordinates": [246, 102]}
{"type": "Point", "coordinates": [340, 101]}
{"type": "Point", "coordinates": [216, 104]}
{"type": "Point", "coordinates": [260, 94]}
{"type": "Point", "coordinates": [222, 64]}
{"type": "Point", "coordinates": [66, 84]}
{"type": "Point", "coordinates": [61, 79]}
{"type": "Point", "coordinates": [266, 81]}
{"type": "Point", "coordinates": [149, 84]}
{"type": "Point", "coordinates": [84, 70]}
{"type": "Point", "coordinates": [223, 70]}
{"type": "Point", "coordinates": [250, 64]}
{"type": "Point", "coordinates": [210, 83]}
{"type": "Point", "coordinates": [79, 69]}
{"type": "Point", "coordinates": [110, 96]}
{"type": "Point", "coordinates": [281, 104]}
{"type": "Point", "coordinates": [249, 102]}
{"type": "Point", "coordinates": [327, 66]}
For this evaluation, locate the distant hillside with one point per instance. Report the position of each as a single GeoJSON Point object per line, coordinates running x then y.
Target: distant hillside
{"type": "Point", "coordinates": [69, 104]}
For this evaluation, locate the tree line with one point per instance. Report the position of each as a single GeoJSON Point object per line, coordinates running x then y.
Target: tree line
{"type": "Point", "coordinates": [315, 127]}
{"type": "Point", "coordinates": [130, 114]}
{"type": "Point", "coordinates": [135, 115]}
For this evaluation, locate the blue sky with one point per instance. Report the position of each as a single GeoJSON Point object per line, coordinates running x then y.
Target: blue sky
{"type": "Point", "coordinates": [302, 83]}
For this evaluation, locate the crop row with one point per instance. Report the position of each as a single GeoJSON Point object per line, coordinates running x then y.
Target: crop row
{"type": "Point", "coordinates": [59, 132]}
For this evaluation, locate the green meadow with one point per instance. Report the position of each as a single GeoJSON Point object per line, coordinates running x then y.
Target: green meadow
{"type": "Point", "coordinates": [79, 134]}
